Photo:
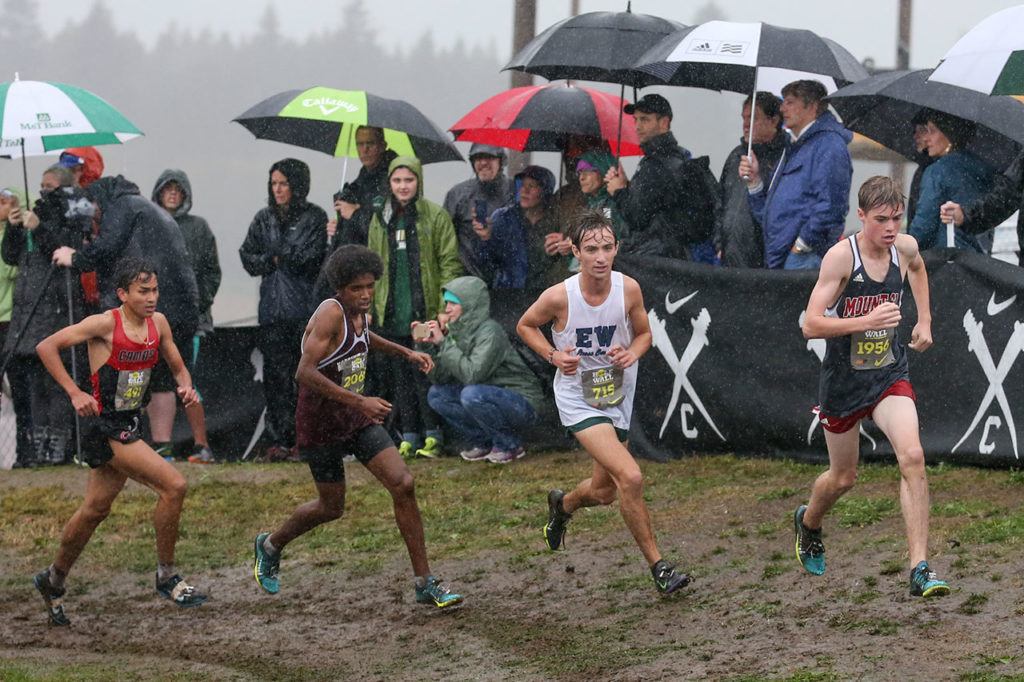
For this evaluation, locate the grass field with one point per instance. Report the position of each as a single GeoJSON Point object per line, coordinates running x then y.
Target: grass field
{"type": "Point", "coordinates": [346, 611]}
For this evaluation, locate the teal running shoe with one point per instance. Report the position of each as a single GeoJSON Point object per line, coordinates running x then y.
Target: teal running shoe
{"type": "Point", "coordinates": [433, 592]}
{"type": "Point", "coordinates": [810, 550]}
{"type": "Point", "coordinates": [925, 583]}
{"type": "Point", "coordinates": [666, 578]}
{"type": "Point", "coordinates": [179, 592]}
{"type": "Point", "coordinates": [558, 519]}
{"type": "Point", "coordinates": [52, 597]}
{"type": "Point", "coordinates": [265, 567]}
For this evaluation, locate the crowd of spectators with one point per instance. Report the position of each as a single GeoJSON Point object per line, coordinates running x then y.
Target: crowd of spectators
{"type": "Point", "coordinates": [779, 202]}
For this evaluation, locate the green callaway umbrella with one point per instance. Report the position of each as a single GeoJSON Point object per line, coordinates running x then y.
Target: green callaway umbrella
{"type": "Point", "coordinates": [326, 119]}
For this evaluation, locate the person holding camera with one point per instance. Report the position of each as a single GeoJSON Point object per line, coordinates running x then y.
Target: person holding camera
{"type": "Point", "coordinates": [482, 388]}
{"type": "Point", "coordinates": [61, 217]}
{"type": "Point", "coordinates": [416, 241]}
{"type": "Point", "coordinates": [12, 198]}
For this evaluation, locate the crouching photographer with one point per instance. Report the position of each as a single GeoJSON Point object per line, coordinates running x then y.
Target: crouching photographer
{"type": "Point", "coordinates": [46, 299]}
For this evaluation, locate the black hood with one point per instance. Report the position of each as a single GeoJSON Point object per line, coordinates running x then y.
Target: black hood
{"type": "Point", "coordinates": [297, 173]}
{"type": "Point", "coordinates": [109, 189]}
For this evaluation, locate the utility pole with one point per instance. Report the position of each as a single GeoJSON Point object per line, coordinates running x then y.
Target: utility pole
{"type": "Point", "coordinates": [898, 168]}
{"type": "Point", "coordinates": [524, 28]}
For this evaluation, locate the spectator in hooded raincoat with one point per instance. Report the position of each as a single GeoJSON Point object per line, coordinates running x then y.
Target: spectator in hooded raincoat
{"type": "Point", "coordinates": [13, 198]}
{"type": "Point", "coordinates": [173, 193]}
{"type": "Point", "coordinates": [416, 241]}
{"type": "Point", "coordinates": [284, 247]}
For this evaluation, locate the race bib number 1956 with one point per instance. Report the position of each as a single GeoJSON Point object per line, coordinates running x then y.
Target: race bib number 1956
{"type": "Point", "coordinates": [872, 349]}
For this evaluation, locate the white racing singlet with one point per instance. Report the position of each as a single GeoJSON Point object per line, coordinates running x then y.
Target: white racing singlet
{"type": "Point", "coordinates": [598, 389]}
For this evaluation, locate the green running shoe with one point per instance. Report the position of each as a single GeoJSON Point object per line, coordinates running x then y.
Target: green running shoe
{"type": "Point", "coordinates": [925, 583]}
{"type": "Point", "coordinates": [406, 449]}
{"type": "Point", "coordinates": [554, 530]}
{"type": "Point", "coordinates": [179, 591]}
{"type": "Point", "coordinates": [810, 550]}
{"type": "Point", "coordinates": [433, 592]}
{"type": "Point", "coordinates": [666, 579]}
{"type": "Point", "coordinates": [265, 567]}
{"type": "Point", "coordinates": [432, 448]}
{"type": "Point", "coordinates": [53, 598]}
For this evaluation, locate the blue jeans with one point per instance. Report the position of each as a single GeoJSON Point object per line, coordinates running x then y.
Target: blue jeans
{"type": "Point", "coordinates": [484, 415]}
{"type": "Point", "coordinates": [802, 261]}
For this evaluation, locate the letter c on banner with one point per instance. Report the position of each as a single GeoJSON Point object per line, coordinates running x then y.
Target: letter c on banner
{"type": "Point", "coordinates": [688, 431]}
{"type": "Point", "coordinates": [985, 446]}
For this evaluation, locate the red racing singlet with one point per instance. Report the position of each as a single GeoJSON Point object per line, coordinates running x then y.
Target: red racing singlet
{"type": "Point", "coordinates": [122, 383]}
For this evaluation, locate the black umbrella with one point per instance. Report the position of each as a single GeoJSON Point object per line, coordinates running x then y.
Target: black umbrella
{"type": "Point", "coordinates": [881, 108]}
{"type": "Point", "coordinates": [596, 46]}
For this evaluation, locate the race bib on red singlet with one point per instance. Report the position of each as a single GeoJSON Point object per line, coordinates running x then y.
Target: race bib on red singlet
{"type": "Point", "coordinates": [872, 349]}
{"type": "Point", "coordinates": [353, 373]}
{"type": "Point", "coordinates": [131, 388]}
{"type": "Point", "coordinates": [602, 386]}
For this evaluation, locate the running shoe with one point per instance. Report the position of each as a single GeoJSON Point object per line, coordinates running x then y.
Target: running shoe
{"type": "Point", "coordinates": [406, 449]}
{"type": "Point", "coordinates": [165, 450]}
{"type": "Point", "coordinates": [810, 550]}
{"type": "Point", "coordinates": [432, 448]}
{"type": "Point", "coordinates": [179, 591]}
{"type": "Point", "coordinates": [201, 454]}
{"type": "Point", "coordinates": [475, 454]}
{"type": "Point", "coordinates": [666, 579]}
{"type": "Point", "coordinates": [925, 583]}
{"type": "Point", "coordinates": [554, 530]}
{"type": "Point", "coordinates": [499, 456]}
{"type": "Point", "coordinates": [266, 567]}
{"type": "Point", "coordinates": [434, 592]}
{"type": "Point", "coordinates": [52, 597]}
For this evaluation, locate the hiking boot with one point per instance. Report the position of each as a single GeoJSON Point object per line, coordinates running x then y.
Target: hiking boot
{"type": "Point", "coordinates": [499, 456]}
{"type": "Point", "coordinates": [925, 583]}
{"type": "Point", "coordinates": [201, 454]}
{"type": "Point", "coordinates": [52, 597]}
{"type": "Point", "coordinates": [554, 530]}
{"type": "Point", "coordinates": [433, 592]}
{"type": "Point", "coordinates": [666, 579]}
{"type": "Point", "coordinates": [810, 550]}
{"type": "Point", "coordinates": [406, 449]}
{"type": "Point", "coordinates": [266, 567]}
{"type": "Point", "coordinates": [475, 454]}
{"type": "Point", "coordinates": [179, 591]}
{"type": "Point", "coordinates": [432, 448]}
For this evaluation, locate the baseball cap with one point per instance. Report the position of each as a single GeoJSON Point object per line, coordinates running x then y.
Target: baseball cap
{"type": "Point", "coordinates": [650, 104]}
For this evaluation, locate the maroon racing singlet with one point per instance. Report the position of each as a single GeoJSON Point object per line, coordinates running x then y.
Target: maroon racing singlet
{"type": "Point", "coordinates": [122, 383]}
{"type": "Point", "coordinates": [320, 420]}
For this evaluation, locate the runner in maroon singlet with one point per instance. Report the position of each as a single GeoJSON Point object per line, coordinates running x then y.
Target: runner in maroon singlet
{"type": "Point", "coordinates": [124, 345]}
{"type": "Point", "coordinates": [334, 419]}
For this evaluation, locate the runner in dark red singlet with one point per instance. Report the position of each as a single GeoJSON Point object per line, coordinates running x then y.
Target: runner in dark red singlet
{"type": "Point", "coordinates": [334, 419]}
{"type": "Point", "coordinates": [124, 345]}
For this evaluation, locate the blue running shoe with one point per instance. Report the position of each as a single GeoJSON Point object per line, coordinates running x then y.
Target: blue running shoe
{"type": "Point", "coordinates": [433, 592]}
{"type": "Point", "coordinates": [810, 550]}
{"type": "Point", "coordinates": [925, 583]}
{"type": "Point", "coordinates": [266, 567]}
{"type": "Point", "coordinates": [179, 592]}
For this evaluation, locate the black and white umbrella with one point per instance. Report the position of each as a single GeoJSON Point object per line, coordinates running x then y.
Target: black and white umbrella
{"type": "Point", "coordinates": [881, 108]}
{"type": "Point", "coordinates": [989, 58]}
{"type": "Point", "coordinates": [746, 57]}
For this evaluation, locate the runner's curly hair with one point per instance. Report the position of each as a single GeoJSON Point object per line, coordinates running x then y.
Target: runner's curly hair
{"type": "Point", "coordinates": [130, 270]}
{"type": "Point", "coordinates": [589, 220]}
{"type": "Point", "coordinates": [351, 261]}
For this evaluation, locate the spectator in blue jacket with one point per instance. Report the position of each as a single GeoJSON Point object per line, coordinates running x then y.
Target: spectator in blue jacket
{"type": "Point", "coordinates": [802, 211]}
{"type": "Point", "coordinates": [954, 175]}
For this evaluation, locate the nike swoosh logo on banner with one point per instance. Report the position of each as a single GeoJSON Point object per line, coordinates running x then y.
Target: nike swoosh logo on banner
{"type": "Point", "coordinates": [672, 306]}
{"type": "Point", "coordinates": [996, 308]}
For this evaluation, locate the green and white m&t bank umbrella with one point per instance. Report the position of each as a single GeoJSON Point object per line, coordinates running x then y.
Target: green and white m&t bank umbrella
{"type": "Point", "coordinates": [989, 58]}
{"type": "Point", "coordinates": [39, 118]}
{"type": "Point", "coordinates": [326, 119]}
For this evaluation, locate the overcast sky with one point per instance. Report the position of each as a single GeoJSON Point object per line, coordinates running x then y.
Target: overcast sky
{"type": "Point", "coordinates": [867, 27]}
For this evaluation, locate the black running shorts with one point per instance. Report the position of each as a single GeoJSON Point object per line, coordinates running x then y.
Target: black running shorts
{"type": "Point", "coordinates": [326, 463]}
{"type": "Point", "coordinates": [97, 432]}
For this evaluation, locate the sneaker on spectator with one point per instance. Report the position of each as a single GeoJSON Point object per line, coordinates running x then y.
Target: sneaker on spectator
{"type": "Point", "coordinates": [165, 450]}
{"type": "Point", "coordinates": [432, 448]}
{"type": "Point", "coordinates": [475, 454]}
{"type": "Point", "coordinates": [499, 456]}
{"type": "Point", "coordinates": [406, 449]}
{"type": "Point", "coordinates": [201, 454]}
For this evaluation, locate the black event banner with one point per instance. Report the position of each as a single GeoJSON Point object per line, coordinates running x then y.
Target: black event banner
{"type": "Point", "coordinates": [730, 370]}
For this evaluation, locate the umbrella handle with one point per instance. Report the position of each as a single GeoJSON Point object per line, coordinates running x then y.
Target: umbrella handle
{"type": "Point", "coordinates": [951, 234]}
{"type": "Point", "coordinates": [750, 129]}
{"type": "Point", "coordinates": [618, 139]}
